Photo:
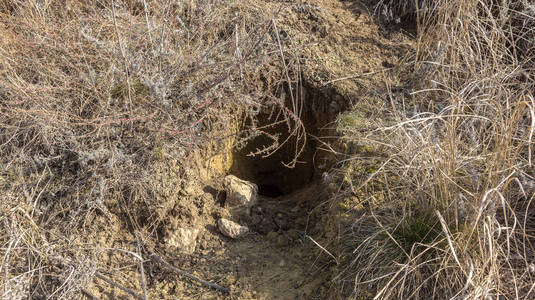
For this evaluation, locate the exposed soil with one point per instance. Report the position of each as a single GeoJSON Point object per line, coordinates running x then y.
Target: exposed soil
{"type": "Point", "coordinates": [287, 254]}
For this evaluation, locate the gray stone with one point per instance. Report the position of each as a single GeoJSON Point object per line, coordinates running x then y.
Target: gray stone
{"type": "Point", "coordinates": [240, 192]}
{"type": "Point", "coordinates": [231, 229]}
{"type": "Point", "coordinates": [183, 239]}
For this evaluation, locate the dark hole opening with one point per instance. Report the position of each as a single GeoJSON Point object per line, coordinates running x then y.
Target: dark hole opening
{"type": "Point", "coordinates": [269, 190]}
{"type": "Point", "coordinates": [269, 173]}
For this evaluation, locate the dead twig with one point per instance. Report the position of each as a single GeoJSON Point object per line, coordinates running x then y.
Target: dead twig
{"type": "Point", "coordinates": [124, 57]}
{"type": "Point", "coordinates": [142, 270]}
{"type": "Point", "coordinates": [89, 295]}
{"type": "Point", "coordinates": [156, 257]}
{"type": "Point", "coordinates": [322, 248]}
{"type": "Point", "coordinates": [124, 289]}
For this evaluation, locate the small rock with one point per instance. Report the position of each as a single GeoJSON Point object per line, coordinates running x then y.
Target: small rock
{"type": "Point", "coordinates": [183, 239]}
{"type": "Point", "coordinates": [240, 192]}
{"type": "Point", "coordinates": [231, 229]}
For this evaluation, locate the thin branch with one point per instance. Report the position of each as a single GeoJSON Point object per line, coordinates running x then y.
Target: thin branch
{"type": "Point", "coordinates": [156, 257]}
{"type": "Point", "coordinates": [145, 8]}
{"type": "Point", "coordinates": [142, 271]}
{"type": "Point", "coordinates": [89, 295]}
{"type": "Point", "coordinates": [322, 248]}
{"type": "Point", "coordinates": [123, 54]}
{"type": "Point", "coordinates": [284, 64]}
{"type": "Point", "coordinates": [124, 289]}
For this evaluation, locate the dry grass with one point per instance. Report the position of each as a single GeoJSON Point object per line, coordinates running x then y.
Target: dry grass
{"type": "Point", "coordinates": [449, 199]}
{"type": "Point", "coordinates": [93, 94]}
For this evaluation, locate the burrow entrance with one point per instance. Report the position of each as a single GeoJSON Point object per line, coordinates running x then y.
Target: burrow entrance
{"type": "Point", "coordinates": [319, 111]}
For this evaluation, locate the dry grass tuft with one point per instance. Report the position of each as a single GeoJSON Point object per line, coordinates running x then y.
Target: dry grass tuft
{"type": "Point", "coordinates": [450, 213]}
